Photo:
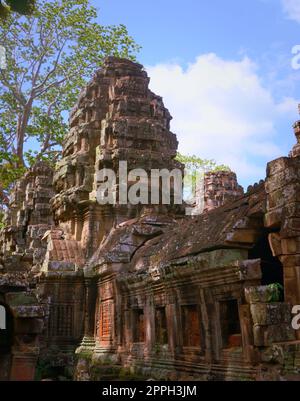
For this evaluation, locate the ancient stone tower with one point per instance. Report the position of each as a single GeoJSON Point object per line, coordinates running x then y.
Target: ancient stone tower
{"type": "Point", "coordinates": [219, 188]}
{"type": "Point", "coordinates": [117, 118]}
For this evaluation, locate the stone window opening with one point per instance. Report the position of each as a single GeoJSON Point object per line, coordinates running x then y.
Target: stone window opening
{"type": "Point", "coordinates": [73, 225]}
{"type": "Point", "coordinates": [70, 182]}
{"type": "Point", "coordinates": [138, 326]}
{"type": "Point", "coordinates": [89, 116]}
{"type": "Point", "coordinates": [152, 110]}
{"type": "Point", "coordinates": [108, 165]}
{"type": "Point", "coordinates": [84, 144]}
{"type": "Point", "coordinates": [61, 322]}
{"type": "Point", "coordinates": [271, 267]}
{"type": "Point", "coordinates": [230, 324]}
{"type": "Point", "coordinates": [191, 335]}
{"type": "Point", "coordinates": [161, 330]}
{"type": "Point", "coordinates": [108, 137]}
{"type": "Point", "coordinates": [78, 229]}
{"type": "Point", "coordinates": [80, 175]}
{"type": "Point", "coordinates": [106, 320]}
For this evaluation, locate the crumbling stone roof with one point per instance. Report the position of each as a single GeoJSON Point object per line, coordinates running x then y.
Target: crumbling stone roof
{"type": "Point", "coordinates": [62, 251]}
{"type": "Point", "coordinates": [161, 239]}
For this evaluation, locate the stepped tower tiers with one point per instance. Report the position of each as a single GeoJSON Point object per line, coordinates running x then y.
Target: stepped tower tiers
{"type": "Point", "coordinates": [117, 118]}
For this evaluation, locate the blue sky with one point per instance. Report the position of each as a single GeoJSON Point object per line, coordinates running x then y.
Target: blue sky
{"type": "Point", "coordinates": [224, 71]}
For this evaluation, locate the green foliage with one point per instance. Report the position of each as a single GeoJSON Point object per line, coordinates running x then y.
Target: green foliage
{"type": "Point", "coordinates": [276, 292]}
{"type": "Point", "coordinates": [46, 370]}
{"type": "Point", "coordinates": [4, 11]}
{"type": "Point", "coordinates": [2, 225]}
{"type": "Point", "coordinates": [86, 355]}
{"type": "Point", "coordinates": [195, 167]}
{"type": "Point", "coordinates": [50, 55]}
{"type": "Point", "coordinates": [25, 7]}
{"type": "Point", "coordinates": [127, 374]}
{"type": "Point", "coordinates": [193, 163]}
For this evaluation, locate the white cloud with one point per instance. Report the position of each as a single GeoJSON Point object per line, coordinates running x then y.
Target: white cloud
{"type": "Point", "coordinates": [292, 9]}
{"type": "Point", "coordinates": [221, 110]}
{"type": "Point", "coordinates": [287, 106]}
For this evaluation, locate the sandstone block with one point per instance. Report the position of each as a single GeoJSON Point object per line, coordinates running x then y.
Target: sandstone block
{"type": "Point", "coordinates": [266, 335]}
{"type": "Point", "coordinates": [264, 314]}
{"type": "Point", "coordinates": [250, 269]}
{"type": "Point", "coordinates": [257, 294]}
{"type": "Point", "coordinates": [275, 243]}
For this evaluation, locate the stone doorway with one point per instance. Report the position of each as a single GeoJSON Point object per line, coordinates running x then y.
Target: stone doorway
{"type": "Point", "coordinates": [6, 341]}
{"type": "Point", "coordinates": [230, 324]}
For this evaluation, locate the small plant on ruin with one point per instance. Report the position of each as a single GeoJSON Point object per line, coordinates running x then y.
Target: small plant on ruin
{"type": "Point", "coordinates": [276, 292]}
{"type": "Point", "coordinates": [195, 167]}
{"type": "Point", "coordinates": [195, 163]}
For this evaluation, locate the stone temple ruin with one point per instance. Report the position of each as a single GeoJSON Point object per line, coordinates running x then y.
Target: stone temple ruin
{"type": "Point", "coordinates": [99, 292]}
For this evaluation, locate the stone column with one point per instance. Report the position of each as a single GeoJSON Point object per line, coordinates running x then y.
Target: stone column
{"type": "Point", "coordinates": [173, 328]}
{"type": "Point", "coordinates": [88, 341]}
{"type": "Point", "coordinates": [149, 316]}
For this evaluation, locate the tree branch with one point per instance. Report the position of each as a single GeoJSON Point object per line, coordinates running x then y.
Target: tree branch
{"type": "Point", "coordinates": [18, 96]}
{"type": "Point", "coordinates": [35, 89]}
{"type": "Point", "coordinates": [53, 84]}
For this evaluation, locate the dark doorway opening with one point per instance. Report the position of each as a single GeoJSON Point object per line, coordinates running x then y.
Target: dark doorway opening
{"type": "Point", "coordinates": [6, 341]}
{"type": "Point", "coordinates": [230, 324]}
{"type": "Point", "coordinates": [6, 334]}
{"type": "Point", "coordinates": [138, 326]}
{"type": "Point", "coordinates": [272, 269]}
{"type": "Point", "coordinates": [161, 331]}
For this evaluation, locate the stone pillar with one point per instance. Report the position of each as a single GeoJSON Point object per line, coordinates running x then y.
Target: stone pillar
{"type": "Point", "coordinates": [172, 325]}
{"type": "Point", "coordinates": [149, 313]}
{"type": "Point", "coordinates": [207, 341]}
{"type": "Point", "coordinates": [89, 314]}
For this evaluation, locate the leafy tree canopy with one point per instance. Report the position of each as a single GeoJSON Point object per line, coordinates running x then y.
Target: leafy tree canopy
{"type": "Point", "coordinates": [195, 163]}
{"type": "Point", "coordinates": [24, 7]}
{"type": "Point", "coordinates": [50, 55]}
{"type": "Point", "coordinates": [195, 167]}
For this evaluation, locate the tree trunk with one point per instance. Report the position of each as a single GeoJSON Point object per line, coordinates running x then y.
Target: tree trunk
{"type": "Point", "coordinates": [21, 130]}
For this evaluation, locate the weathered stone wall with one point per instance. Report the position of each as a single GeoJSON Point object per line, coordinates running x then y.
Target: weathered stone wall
{"type": "Point", "coordinates": [182, 298]}
{"type": "Point", "coordinates": [283, 217]}
{"type": "Point", "coordinates": [140, 289]}
{"type": "Point", "coordinates": [175, 303]}
{"type": "Point", "coordinates": [29, 216]}
{"type": "Point", "coordinates": [21, 255]}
